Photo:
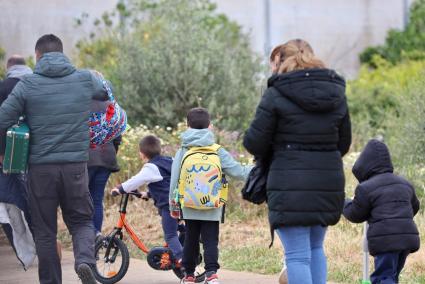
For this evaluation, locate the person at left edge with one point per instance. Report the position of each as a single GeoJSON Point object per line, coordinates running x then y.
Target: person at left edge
{"type": "Point", "coordinates": [55, 101]}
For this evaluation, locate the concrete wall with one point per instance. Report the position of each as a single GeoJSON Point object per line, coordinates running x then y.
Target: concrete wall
{"type": "Point", "coordinates": [337, 29]}
{"type": "Point", "coordinates": [22, 22]}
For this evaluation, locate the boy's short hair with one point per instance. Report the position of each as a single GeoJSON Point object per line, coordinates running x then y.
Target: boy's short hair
{"type": "Point", "coordinates": [150, 146]}
{"type": "Point", "coordinates": [198, 118]}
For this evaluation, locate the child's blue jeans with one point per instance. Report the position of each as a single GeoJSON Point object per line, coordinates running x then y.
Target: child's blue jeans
{"type": "Point", "coordinates": [304, 254]}
{"type": "Point", "coordinates": [170, 228]}
{"type": "Point", "coordinates": [98, 177]}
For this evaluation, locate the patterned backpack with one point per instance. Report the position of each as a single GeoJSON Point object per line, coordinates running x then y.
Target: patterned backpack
{"type": "Point", "coordinates": [202, 184]}
{"type": "Point", "coordinates": [107, 125]}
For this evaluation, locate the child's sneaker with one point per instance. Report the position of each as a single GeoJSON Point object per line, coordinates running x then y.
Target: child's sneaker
{"type": "Point", "coordinates": [212, 279]}
{"type": "Point", "coordinates": [190, 279]}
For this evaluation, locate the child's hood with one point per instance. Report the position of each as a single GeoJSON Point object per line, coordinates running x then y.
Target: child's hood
{"type": "Point", "coordinates": [197, 137]}
{"type": "Point", "coordinates": [374, 159]}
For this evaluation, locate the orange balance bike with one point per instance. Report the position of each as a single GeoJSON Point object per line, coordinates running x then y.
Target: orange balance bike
{"type": "Point", "coordinates": [113, 258]}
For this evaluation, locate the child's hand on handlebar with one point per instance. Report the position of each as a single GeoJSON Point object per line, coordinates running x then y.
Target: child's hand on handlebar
{"type": "Point", "coordinates": [145, 195]}
{"type": "Point", "coordinates": [115, 191]}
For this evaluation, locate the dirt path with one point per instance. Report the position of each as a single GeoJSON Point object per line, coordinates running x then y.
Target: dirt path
{"type": "Point", "coordinates": [11, 272]}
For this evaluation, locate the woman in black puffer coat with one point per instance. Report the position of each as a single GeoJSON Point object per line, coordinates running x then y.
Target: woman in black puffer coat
{"type": "Point", "coordinates": [302, 126]}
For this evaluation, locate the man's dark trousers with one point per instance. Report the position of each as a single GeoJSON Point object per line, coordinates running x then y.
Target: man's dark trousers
{"type": "Point", "coordinates": [64, 185]}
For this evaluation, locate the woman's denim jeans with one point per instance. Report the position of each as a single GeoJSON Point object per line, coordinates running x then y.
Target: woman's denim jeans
{"type": "Point", "coordinates": [98, 177]}
{"type": "Point", "coordinates": [304, 254]}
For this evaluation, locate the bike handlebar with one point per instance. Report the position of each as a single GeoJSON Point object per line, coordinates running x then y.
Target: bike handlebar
{"type": "Point", "coordinates": [134, 193]}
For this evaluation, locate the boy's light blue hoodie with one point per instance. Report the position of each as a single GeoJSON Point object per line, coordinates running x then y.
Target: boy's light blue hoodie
{"type": "Point", "coordinates": [204, 137]}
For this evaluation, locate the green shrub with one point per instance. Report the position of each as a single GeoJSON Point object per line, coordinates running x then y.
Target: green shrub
{"type": "Point", "coordinates": [374, 98]}
{"type": "Point", "coordinates": [407, 137]}
{"type": "Point", "coordinates": [401, 45]}
{"type": "Point", "coordinates": [173, 55]}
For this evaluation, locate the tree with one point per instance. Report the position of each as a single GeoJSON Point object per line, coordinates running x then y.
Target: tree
{"type": "Point", "coordinates": [173, 55]}
{"type": "Point", "coordinates": [400, 45]}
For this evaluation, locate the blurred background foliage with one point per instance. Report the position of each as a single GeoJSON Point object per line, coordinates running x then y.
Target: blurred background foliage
{"type": "Point", "coordinates": [408, 44]}
{"type": "Point", "coordinates": [2, 64]}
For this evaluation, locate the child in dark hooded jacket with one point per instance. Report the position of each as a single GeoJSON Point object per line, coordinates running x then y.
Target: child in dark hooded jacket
{"type": "Point", "coordinates": [388, 203]}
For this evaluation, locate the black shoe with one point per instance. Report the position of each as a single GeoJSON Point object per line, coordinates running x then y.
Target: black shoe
{"type": "Point", "coordinates": [85, 273]}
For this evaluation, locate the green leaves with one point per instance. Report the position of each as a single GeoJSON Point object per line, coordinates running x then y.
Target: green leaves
{"type": "Point", "coordinates": [402, 45]}
{"type": "Point", "coordinates": [175, 55]}
{"type": "Point", "coordinates": [375, 97]}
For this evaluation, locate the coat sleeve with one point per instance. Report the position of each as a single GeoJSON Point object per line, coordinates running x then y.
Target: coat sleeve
{"type": "Point", "coordinates": [345, 134]}
{"type": "Point", "coordinates": [259, 136]}
{"type": "Point", "coordinates": [99, 92]}
{"type": "Point", "coordinates": [148, 174]}
{"type": "Point", "coordinates": [358, 210]}
{"type": "Point", "coordinates": [231, 167]}
{"type": "Point", "coordinates": [117, 142]}
{"type": "Point", "coordinates": [13, 107]}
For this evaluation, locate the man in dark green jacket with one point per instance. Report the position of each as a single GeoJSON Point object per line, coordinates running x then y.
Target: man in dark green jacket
{"type": "Point", "coordinates": [55, 101]}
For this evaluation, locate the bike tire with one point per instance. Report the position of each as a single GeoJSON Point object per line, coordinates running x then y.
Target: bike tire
{"type": "Point", "coordinates": [122, 248]}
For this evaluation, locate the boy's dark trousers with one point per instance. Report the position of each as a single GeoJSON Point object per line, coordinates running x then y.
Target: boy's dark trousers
{"type": "Point", "coordinates": [388, 267]}
{"type": "Point", "coordinates": [208, 231]}
{"type": "Point", "coordinates": [64, 185]}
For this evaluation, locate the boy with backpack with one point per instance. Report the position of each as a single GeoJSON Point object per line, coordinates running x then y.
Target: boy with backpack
{"type": "Point", "coordinates": [388, 203]}
{"type": "Point", "coordinates": [199, 191]}
{"type": "Point", "coordinates": [155, 173]}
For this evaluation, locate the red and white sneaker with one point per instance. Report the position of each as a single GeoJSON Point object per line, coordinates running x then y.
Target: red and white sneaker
{"type": "Point", "coordinates": [213, 279]}
{"type": "Point", "coordinates": [189, 280]}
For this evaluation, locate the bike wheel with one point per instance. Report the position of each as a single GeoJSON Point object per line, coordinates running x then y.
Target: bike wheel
{"type": "Point", "coordinates": [113, 265]}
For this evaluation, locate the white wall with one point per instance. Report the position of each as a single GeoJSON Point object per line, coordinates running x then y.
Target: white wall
{"type": "Point", "coordinates": [22, 22]}
{"type": "Point", "coordinates": [337, 29]}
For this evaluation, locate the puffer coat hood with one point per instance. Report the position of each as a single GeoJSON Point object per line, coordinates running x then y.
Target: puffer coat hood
{"type": "Point", "coordinates": [197, 137]}
{"type": "Point", "coordinates": [324, 93]}
{"type": "Point", "coordinates": [54, 64]}
{"type": "Point", "coordinates": [375, 159]}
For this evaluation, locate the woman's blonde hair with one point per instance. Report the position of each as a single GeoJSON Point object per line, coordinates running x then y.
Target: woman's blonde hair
{"type": "Point", "coordinates": [296, 54]}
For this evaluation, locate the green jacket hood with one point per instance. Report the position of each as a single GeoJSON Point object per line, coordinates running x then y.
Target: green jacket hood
{"type": "Point", "coordinates": [54, 64]}
{"type": "Point", "coordinates": [197, 137]}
